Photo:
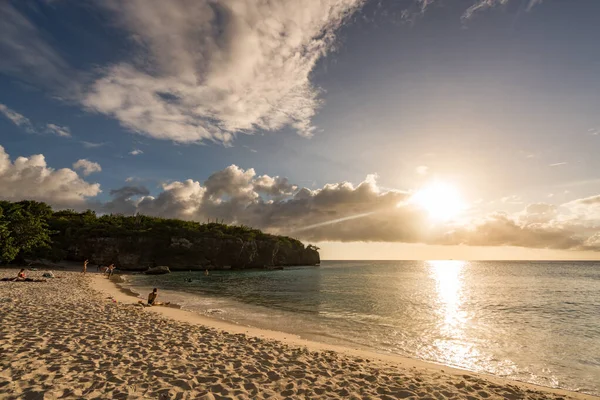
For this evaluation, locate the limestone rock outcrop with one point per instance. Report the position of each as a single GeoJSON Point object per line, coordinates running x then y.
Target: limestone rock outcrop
{"type": "Point", "coordinates": [160, 270]}
{"type": "Point", "coordinates": [137, 253]}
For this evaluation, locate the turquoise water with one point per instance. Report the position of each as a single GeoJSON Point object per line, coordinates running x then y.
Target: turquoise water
{"type": "Point", "coordinates": [537, 322]}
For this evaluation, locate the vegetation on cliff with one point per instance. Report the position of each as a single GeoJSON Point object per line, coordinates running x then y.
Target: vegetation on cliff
{"type": "Point", "coordinates": [23, 229]}
{"type": "Point", "coordinates": [32, 229]}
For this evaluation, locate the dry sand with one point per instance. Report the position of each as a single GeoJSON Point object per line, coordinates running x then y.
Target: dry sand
{"type": "Point", "coordinates": [66, 338]}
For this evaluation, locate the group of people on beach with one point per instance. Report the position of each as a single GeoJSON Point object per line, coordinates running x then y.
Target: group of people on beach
{"type": "Point", "coordinates": [105, 270]}
{"type": "Point", "coordinates": [109, 272]}
{"type": "Point", "coordinates": [22, 277]}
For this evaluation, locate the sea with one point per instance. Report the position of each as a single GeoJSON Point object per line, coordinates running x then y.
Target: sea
{"type": "Point", "coordinates": [531, 321]}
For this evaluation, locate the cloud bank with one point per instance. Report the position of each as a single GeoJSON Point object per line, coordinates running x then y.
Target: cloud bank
{"type": "Point", "coordinates": [336, 212]}
{"type": "Point", "coordinates": [364, 212]}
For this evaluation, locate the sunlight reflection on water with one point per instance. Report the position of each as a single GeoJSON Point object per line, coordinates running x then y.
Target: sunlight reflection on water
{"type": "Point", "coordinates": [531, 321]}
{"type": "Point", "coordinates": [449, 285]}
{"type": "Point", "coordinates": [448, 277]}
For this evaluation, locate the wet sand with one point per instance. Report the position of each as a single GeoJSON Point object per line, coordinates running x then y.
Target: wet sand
{"type": "Point", "coordinates": [81, 337]}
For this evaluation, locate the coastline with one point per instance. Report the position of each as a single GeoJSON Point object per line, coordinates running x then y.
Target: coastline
{"type": "Point", "coordinates": [79, 336]}
{"type": "Point", "coordinates": [125, 295]}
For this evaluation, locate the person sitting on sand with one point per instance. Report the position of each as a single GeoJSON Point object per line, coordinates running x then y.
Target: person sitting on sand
{"type": "Point", "coordinates": [21, 276]}
{"type": "Point", "coordinates": [152, 297]}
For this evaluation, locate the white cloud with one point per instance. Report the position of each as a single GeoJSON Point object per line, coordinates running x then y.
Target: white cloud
{"type": "Point", "coordinates": [558, 164]}
{"type": "Point", "coordinates": [87, 166]}
{"type": "Point", "coordinates": [31, 178]}
{"type": "Point", "coordinates": [533, 3]}
{"type": "Point", "coordinates": [24, 122]}
{"type": "Point", "coordinates": [62, 131]}
{"type": "Point", "coordinates": [236, 195]}
{"type": "Point", "coordinates": [27, 55]}
{"type": "Point", "coordinates": [422, 170]}
{"type": "Point", "coordinates": [512, 199]}
{"type": "Point", "coordinates": [481, 5]}
{"type": "Point", "coordinates": [16, 118]}
{"type": "Point", "coordinates": [91, 145]}
{"type": "Point", "coordinates": [201, 70]}
{"type": "Point", "coordinates": [136, 152]}
{"type": "Point", "coordinates": [218, 68]}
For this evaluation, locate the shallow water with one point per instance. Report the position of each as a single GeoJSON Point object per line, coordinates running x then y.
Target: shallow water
{"type": "Point", "coordinates": [537, 322]}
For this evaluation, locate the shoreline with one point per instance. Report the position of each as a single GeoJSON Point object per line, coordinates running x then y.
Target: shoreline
{"type": "Point", "coordinates": [175, 313]}
{"type": "Point", "coordinates": [79, 336]}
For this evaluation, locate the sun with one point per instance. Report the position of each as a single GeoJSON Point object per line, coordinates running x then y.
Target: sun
{"type": "Point", "coordinates": [441, 201]}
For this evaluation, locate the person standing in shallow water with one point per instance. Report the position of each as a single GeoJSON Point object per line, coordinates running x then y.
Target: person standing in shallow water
{"type": "Point", "coordinates": [85, 264]}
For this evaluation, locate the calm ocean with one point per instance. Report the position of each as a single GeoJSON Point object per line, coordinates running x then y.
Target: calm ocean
{"type": "Point", "coordinates": [537, 322]}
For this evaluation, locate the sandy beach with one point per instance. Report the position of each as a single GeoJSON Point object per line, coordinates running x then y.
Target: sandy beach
{"type": "Point", "coordinates": [81, 337]}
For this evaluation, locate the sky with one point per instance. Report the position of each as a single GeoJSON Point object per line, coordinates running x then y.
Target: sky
{"type": "Point", "coordinates": [400, 129]}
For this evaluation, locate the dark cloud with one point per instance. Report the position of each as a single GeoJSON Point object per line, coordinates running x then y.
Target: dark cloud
{"type": "Point", "coordinates": [276, 186]}
{"type": "Point", "coordinates": [123, 201]}
{"type": "Point", "coordinates": [592, 200]}
{"type": "Point", "coordinates": [501, 230]}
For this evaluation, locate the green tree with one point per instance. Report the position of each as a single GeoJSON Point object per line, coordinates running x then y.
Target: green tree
{"type": "Point", "coordinates": [25, 227]}
{"type": "Point", "coordinates": [8, 250]}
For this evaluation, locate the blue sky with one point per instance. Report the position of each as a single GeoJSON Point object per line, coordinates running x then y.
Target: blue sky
{"type": "Point", "coordinates": [498, 99]}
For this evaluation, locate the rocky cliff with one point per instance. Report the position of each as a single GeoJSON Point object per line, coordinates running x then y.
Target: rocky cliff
{"type": "Point", "coordinates": [183, 254]}
{"type": "Point", "coordinates": [136, 242]}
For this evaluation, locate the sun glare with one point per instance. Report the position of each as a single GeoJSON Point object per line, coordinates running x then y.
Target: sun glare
{"type": "Point", "coordinates": [440, 200]}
